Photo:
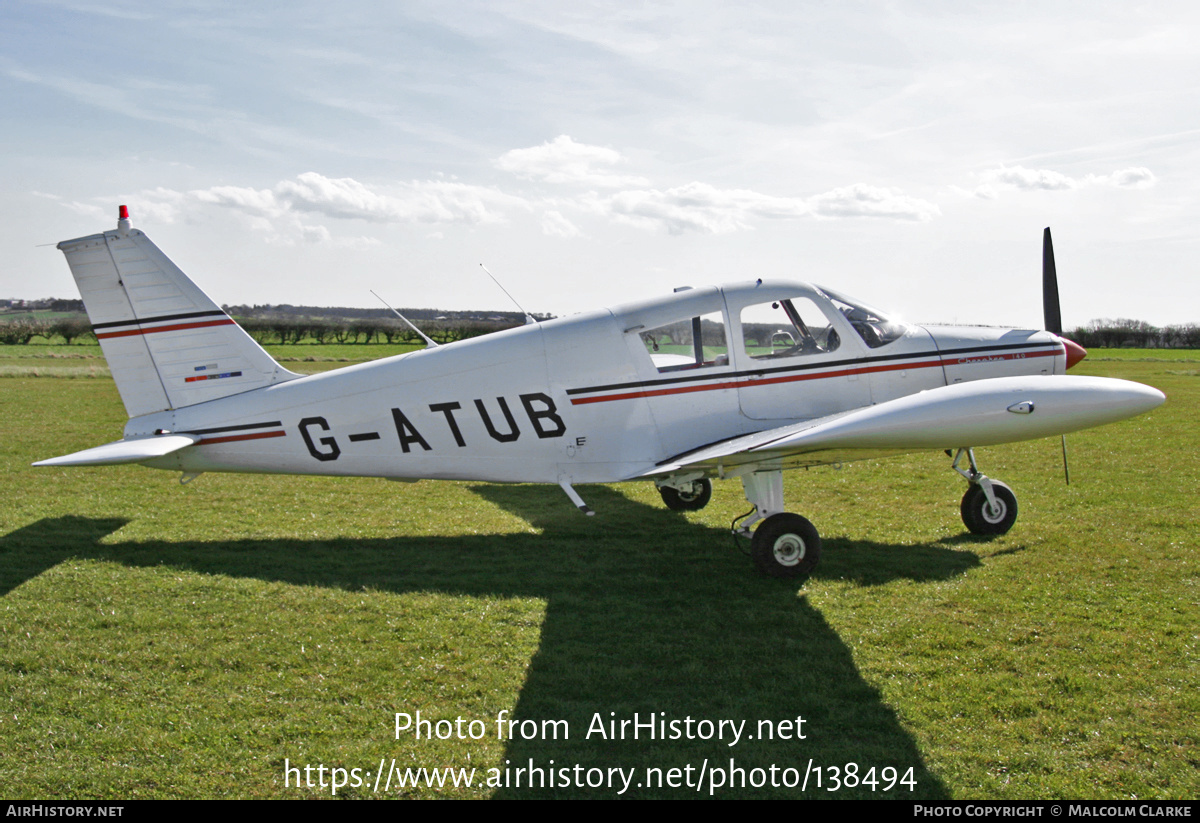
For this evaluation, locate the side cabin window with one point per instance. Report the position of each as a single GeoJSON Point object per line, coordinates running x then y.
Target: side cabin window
{"type": "Point", "coordinates": [787, 328]}
{"type": "Point", "coordinates": [694, 343]}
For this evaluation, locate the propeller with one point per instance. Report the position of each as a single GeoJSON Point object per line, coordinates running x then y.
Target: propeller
{"type": "Point", "coordinates": [1052, 317]}
{"type": "Point", "coordinates": [1051, 314]}
{"type": "Point", "coordinates": [1050, 309]}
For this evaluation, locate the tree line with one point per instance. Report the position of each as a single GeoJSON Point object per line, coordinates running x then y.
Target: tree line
{"type": "Point", "coordinates": [364, 331]}
{"type": "Point", "coordinates": [1135, 334]}
{"type": "Point", "coordinates": [20, 328]}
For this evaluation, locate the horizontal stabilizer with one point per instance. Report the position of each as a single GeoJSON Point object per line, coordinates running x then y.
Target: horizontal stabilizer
{"type": "Point", "coordinates": [124, 451]}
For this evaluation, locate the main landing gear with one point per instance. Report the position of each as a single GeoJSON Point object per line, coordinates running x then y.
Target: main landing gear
{"type": "Point", "coordinates": [989, 507]}
{"type": "Point", "coordinates": [784, 544]}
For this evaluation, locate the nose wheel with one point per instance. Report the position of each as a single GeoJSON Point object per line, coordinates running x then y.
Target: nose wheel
{"type": "Point", "coordinates": [989, 507]}
{"type": "Point", "coordinates": [982, 517]}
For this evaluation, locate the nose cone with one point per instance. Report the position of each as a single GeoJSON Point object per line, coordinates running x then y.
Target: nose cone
{"type": "Point", "coordinates": [1075, 352]}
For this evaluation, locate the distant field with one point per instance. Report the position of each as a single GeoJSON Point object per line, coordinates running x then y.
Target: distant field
{"type": "Point", "coordinates": [85, 359]}
{"type": "Point", "coordinates": [40, 314]}
{"type": "Point", "coordinates": [160, 640]}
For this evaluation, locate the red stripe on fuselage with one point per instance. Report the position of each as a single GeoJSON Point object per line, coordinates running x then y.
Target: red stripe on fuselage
{"type": "Point", "coordinates": [208, 441]}
{"type": "Point", "coordinates": [179, 327]}
{"type": "Point", "coordinates": [795, 378]}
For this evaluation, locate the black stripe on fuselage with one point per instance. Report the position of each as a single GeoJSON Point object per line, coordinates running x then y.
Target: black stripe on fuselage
{"type": "Point", "coordinates": [222, 429]}
{"type": "Point", "coordinates": [828, 364]}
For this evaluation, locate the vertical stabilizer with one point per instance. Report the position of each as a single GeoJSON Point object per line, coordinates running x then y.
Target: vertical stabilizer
{"type": "Point", "coordinates": [167, 343]}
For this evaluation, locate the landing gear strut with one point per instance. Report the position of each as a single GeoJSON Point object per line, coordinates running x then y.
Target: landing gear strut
{"type": "Point", "coordinates": [989, 507]}
{"type": "Point", "coordinates": [784, 544]}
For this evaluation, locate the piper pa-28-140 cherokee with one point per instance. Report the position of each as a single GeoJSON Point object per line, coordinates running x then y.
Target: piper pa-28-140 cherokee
{"type": "Point", "coordinates": [743, 381]}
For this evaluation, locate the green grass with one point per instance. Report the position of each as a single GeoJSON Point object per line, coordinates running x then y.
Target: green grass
{"type": "Point", "coordinates": [160, 640]}
{"type": "Point", "coordinates": [1149, 355]}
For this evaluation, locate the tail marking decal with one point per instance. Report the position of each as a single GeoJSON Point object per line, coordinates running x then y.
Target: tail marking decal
{"type": "Point", "coordinates": [143, 325]}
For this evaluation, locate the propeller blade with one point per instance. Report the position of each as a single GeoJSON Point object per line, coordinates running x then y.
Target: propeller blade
{"type": "Point", "coordinates": [1050, 309]}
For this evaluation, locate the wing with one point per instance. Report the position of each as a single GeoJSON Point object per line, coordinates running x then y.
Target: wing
{"type": "Point", "coordinates": [979, 413]}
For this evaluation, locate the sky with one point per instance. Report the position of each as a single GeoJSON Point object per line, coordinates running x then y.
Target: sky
{"type": "Point", "coordinates": [592, 153]}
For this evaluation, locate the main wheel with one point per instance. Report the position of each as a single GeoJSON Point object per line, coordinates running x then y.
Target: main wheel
{"type": "Point", "coordinates": [785, 545]}
{"type": "Point", "coordinates": [692, 499]}
{"type": "Point", "coordinates": [980, 518]}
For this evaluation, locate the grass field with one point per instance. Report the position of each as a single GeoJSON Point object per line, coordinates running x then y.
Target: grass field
{"type": "Point", "coordinates": [159, 640]}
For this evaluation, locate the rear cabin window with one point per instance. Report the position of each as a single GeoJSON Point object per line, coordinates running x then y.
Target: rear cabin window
{"type": "Point", "coordinates": [695, 343]}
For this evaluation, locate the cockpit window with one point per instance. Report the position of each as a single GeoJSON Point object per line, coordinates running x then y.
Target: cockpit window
{"type": "Point", "coordinates": [787, 328]}
{"type": "Point", "coordinates": [688, 344]}
{"type": "Point", "coordinates": [873, 326]}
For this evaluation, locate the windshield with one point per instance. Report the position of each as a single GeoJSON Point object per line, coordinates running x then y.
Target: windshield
{"type": "Point", "coordinates": [875, 327]}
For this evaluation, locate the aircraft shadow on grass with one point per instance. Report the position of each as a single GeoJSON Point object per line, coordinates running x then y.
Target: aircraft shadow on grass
{"type": "Point", "coordinates": [642, 609]}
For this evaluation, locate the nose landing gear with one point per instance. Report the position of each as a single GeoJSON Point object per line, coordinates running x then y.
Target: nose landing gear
{"type": "Point", "coordinates": [989, 507]}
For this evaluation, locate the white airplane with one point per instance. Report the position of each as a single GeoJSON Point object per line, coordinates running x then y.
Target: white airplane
{"type": "Point", "coordinates": [743, 381]}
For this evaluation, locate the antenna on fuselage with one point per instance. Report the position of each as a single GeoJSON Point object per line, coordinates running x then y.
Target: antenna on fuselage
{"type": "Point", "coordinates": [429, 342]}
{"type": "Point", "coordinates": [528, 317]}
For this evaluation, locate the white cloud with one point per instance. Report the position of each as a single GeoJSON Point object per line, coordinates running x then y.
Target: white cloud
{"type": "Point", "coordinates": [158, 205]}
{"type": "Point", "coordinates": [321, 236]}
{"type": "Point", "coordinates": [1138, 177]}
{"type": "Point", "coordinates": [296, 210]}
{"type": "Point", "coordinates": [259, 202]}
{"type": "Point", "coordinates": [348, 199]}
{"type": "Point", "coordinates": [696, 206]}
{"type": "Point", "coordinates": [276, 213]}
{"type": "Point", "coordinates": [1019, 178]}
{"type": "Point", "coordinates": [699, 207]}
{"type": "Point", "coordinates": [315, 234]}
{"type": "Point", "coordinates": [861, 200]}
{"type": "Point", "coordinates": [704, 208]}
{"type": "Point", "coordinates": [439, 201]}
{"type": "Point", "coordinates": [562, 160]}
{"type": "Point", "coordinates": [340, 197]}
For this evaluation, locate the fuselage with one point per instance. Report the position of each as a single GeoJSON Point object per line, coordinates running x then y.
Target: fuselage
{"type": "Point", "coordinates": [596, 397]}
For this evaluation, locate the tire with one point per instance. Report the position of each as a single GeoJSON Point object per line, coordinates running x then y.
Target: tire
{"type": "Point", "coordinates": [785, 545]}
{"type": "Point", "coordinates": [978, 517]}
{"type": "Point", "coordinates": [692, 500]}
